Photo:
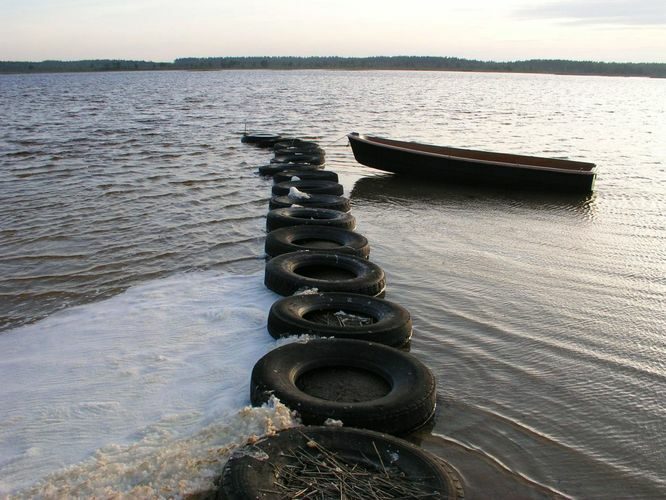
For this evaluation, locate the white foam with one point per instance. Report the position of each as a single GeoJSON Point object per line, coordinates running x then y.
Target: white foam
{"type": "Point", "coordinates": [134, 382]}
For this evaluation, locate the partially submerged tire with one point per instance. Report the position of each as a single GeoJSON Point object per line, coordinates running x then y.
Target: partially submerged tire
{"type": "Point", "coordinates": [316, 238]}
{"type": "Point", "coordinates": [292, 144]}
{"type": "Point", "coordinates": [362, 384]}
{"type": "Point", "coordinates": [292, 272]}
{"type": "Point", "coordinates": [274, 168]}
{"type": "Point", "coordinates": [261, 469]}
{"type": "Point", "coordinates": [298, 150]}
{"type": "Point", "coordinates": [263, 140]}
{"type": "Point", "coordinates": [330, 201]}
{"type": "Point", "coordinates": [341, 315]}
{"type": "Point", "coordinates": [319, 175]}
{"type": "Point", "coordinates": [313, 158]}
{"type": "Point", "coordinates": [310, 186]}
{"type": "Point", "coordinates": [302, 216]}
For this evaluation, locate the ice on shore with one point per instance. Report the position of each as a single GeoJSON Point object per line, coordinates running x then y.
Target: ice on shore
{"type": "Point", "coordinates": [142, 394]}
{"type": "Point", "coordinates": [295, 194]}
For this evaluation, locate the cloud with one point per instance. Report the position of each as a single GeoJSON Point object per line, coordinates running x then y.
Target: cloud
{"type": "Point", "coordinates": [609, 12]}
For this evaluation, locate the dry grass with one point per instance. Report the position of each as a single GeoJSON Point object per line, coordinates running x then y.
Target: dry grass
{"type": "Point", "coordinates": [314, 472]}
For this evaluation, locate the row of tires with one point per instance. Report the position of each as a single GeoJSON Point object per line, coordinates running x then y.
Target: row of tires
{"type": "Point", "coordinates": [362, 376]}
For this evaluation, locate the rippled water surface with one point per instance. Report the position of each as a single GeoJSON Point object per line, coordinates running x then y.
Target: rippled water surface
{"type": "Point", "coordinates": [131, 253]}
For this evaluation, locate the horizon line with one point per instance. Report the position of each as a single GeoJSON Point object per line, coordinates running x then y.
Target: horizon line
{"type": "Point", "coordinates": [325, 56]}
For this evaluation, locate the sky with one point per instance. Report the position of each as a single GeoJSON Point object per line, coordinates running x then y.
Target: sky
{"type": "Point", "coordinates": [500, 30]}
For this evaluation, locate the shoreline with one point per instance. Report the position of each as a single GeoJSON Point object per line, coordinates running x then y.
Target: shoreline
{"type": "Point", "coordinates": [335, 63]}
{"type": "Point", "coordinates": [434, 70]}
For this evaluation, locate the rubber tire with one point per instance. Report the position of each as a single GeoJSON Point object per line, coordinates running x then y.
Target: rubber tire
{"type": "Point", "coordinates": [302, 216]}
{"type": "Point", "coordinates": [261, 139]}
{"type": "Point", "coordinates": [408, 405]}
{"type": "Point", "coordinates": [312, 158]}
{"type": "Point", "coordinates": [281, 274]}
{"type": "Point", "coordinates": [309, 186]}
{"type": "Point", "coordinates": [330, 201]}
{"type": "Point", "coordinates": [392, 326]}
{"type": "Point", "coordinates": [248, 474]}
{"type": "Point", "coordinates": [289, 144]}
{"type": "Point", "coordinates": [283, 241]}
{"type": "Point", "coordinates": [274, 168]}
{"type": "Point", "coordinates": [318, 175]}
{"type": "Point", "coordinates": [296, 150]}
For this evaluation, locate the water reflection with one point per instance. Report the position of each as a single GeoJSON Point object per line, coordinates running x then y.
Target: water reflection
{"type": "Point", "coordinates": [395, 189]}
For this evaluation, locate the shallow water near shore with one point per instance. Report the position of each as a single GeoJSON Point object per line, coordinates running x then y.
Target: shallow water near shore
{"type": "Point", "coordinates": [131, 254]}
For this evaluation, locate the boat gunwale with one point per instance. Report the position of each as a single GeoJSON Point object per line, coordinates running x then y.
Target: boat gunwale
{"type": "Point", "coordinates": [377, 142]}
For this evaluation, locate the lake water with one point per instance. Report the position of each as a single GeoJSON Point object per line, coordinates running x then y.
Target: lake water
{"type": "Point", "coordinates": [131, 263]}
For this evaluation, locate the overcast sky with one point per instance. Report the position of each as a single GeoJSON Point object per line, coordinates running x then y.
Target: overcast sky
{"type": "Point", "coordinates": [162, 30]}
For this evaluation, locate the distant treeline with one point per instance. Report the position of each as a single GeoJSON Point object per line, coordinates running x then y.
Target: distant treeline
{"type": "Point", "coordinates": [557, 66]}
{"type": "Point", "coordinates": [79, 66]}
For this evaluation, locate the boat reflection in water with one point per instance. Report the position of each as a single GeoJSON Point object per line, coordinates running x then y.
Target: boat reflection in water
{"type": "Point", "coordinates": [400, 190]}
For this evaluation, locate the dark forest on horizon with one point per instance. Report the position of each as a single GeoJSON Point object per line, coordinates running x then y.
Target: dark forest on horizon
{"type": "Point", "coordinates": [423, 63]}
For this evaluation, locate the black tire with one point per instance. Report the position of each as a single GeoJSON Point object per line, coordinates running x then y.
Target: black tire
{"type": "Point", "coordinates": [295, 216]}
{"type": "Point", "coordinates": [363, 384]}
{"type": "Point", "coordinates": [291, 272]}
{"type": "Point", "coordinates": [288, 151]}
{"type": "Point", "coordinates": [312, 158]}
{"type": "Point", "coordinates": [250, 472]}
{"type": "Point", "coordinates": [291, 144]}
{"type": "Point", "coordinates": [319, 175]}
{"type": "Point", "coordinates": [274, 168]}
{"type": "Point", "coordinates": [319, 314]}
{"type": "Point", "coordinates": [263, 140]}
{"type": "Point", "coordinates": [316, 238]}
{"type": "Point", "coordinates": [330, 201]}
{"type": "Point", "coordinates": [309, 186]}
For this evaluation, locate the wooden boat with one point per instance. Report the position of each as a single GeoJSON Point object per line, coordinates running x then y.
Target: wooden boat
{"type": "Point", "coordinates": [470, 166]}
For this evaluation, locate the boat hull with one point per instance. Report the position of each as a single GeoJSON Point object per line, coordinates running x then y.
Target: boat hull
{"type": "Point", "coordinates": [413, 163]}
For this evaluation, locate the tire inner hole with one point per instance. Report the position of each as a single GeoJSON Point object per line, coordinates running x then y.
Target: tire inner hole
{"type": "Point", "coordinates": [323, 272]}
{"type": "Point", "coordinates": [316, 217]}
{"type": "Point", "coordinates": [344, 384]}
{"type": "Point", "coordinates": [338, 317]}
{"type": "Point", "coordinates": [317, 243]}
